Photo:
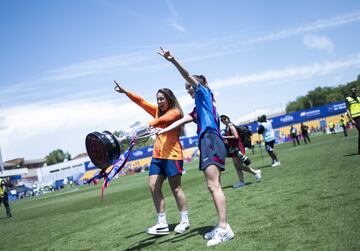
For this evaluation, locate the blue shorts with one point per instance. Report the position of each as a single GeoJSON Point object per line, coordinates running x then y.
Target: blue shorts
{"type": "Point", "coordinates": [165, 167]}
{"type": "Point", "coordinates": [212, 151]}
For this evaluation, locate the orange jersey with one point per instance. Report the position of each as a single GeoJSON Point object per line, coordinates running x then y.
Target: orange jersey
{"type": "Point", "coordinates": [167, 145]}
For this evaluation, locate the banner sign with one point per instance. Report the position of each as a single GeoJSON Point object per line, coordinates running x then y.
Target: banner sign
{"type": "Point", "coordinates": [304, 115]}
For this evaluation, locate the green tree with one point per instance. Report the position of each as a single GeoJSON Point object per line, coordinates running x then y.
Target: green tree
{"type": "Point", "coordinates": [321, 96]}
{"type": "Point", "coordinates": [57, 156]}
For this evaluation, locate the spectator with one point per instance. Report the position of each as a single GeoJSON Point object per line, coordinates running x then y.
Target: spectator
{"type": "Point", "coordinates": [4, 196]}
{"type": "Point", "coordinates": [353, 111]}
{"type": "Point", "coordinates": [305, 133]}
{"type": "Point", "coordinates": [343, 125]}
{"type": "Point", "coordinates": [332, 128]}
{"type": "Point", "coordinates": [294, 135]}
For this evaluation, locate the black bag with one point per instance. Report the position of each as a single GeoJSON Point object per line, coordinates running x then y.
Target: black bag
{"type": "Point", "coordinates": [245, 135]}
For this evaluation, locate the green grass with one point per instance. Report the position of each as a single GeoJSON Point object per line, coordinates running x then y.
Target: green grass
{"type": "Point", "coordinates": [312, 201]}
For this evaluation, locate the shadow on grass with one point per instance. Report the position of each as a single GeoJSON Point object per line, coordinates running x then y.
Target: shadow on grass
{"type": "Point", "coordinates": [145, 242]}
{"type": "Point", "coordinates": [351, 154]}
{"type": "Point", "coordinates": [230, 186]}
{"type": "Point", "coordinates": [176, 237]}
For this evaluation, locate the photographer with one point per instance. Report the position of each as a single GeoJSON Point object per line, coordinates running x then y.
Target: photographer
{"type": "Point", "coordinates": [4, 196]}
{"type": "Point", "coordinates": [237, 152]}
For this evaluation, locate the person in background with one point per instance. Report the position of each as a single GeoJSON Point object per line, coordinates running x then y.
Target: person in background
{"type": "Point", "coordinates": [167, 158]}
{"type": "Point", "coordinates": [332, 128]}
{"type": "Point", "coordinates": [294, 135]}
{"type": "Point", "coordinates": [237, 152]}
{"type": "Point", "coordinates": [353, 111]}
{"type": "Point", "coordinates": [211, 145]}
{"type": "Point", "coordinates": [4, 196]}
{"type": "Point", "coordinates": [343, 125]}
{"type": "Point", "coordinates": [265, 128]}
{"type": "Point", "coordinates": [305, 132]}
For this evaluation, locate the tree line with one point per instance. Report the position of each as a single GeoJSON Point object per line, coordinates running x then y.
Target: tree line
{"type": "Point", "coordinates": [321, 96]}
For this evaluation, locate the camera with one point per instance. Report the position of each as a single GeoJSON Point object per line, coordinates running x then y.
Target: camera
{"type": "Point", "coordinates": [230, 150]}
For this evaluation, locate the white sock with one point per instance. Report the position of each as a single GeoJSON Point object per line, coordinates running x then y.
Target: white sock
{"type": "Point", "coordinates": [184, 215]}
{"type": "Point", "coordinates": [162, 218]}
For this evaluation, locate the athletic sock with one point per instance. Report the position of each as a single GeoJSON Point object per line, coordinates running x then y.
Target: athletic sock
{"type": "Point", "coordinates": [162, 218]}
{"type": "Point", "coordinates": [184, 215]}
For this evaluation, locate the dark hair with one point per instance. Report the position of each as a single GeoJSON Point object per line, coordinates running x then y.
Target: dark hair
{"type": "Point", "coordinates": [172, 100]}
{"type": "Point", "coordinates": [202, 79]}
{"type": "Point", "coordinates": [262, 118]}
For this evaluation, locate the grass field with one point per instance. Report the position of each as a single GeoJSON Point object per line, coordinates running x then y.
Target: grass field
{"type": "Point", "coordinates": [310, 202]}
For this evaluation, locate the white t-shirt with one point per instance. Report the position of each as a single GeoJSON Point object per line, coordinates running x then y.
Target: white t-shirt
{"type": "Point", "coordinates": [268, 134]}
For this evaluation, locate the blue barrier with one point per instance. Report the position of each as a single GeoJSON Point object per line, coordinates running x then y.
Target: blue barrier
{"type": "Point", "coordinates": [304, 115]}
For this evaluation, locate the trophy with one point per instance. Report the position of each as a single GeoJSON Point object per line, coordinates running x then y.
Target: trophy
{"type": "Point", "coordinates": [105, 148]}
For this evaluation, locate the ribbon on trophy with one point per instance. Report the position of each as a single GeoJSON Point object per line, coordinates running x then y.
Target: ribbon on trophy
{"type": "Point", "coordinates": [104, 149]}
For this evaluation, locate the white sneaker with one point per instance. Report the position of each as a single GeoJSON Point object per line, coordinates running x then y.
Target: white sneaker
{"type": "Point", "coordinates": [240, 184]}
{"type": "Point", "coordinates": [258, 176]}
{"type": "Point", "coordinates": [159, 229]}
{"type": "Point", "coordinates": [276, 163]}
{"type": "Point", "coordinates": [209, 235]}
{"type": "Point", "coordinates": [221, 235]}
{"type": "Point", "coordinates": [182, 227]}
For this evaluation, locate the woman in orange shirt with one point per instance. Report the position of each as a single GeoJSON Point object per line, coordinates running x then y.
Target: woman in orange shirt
{"type": "Point", "coordinates": [167, 158]}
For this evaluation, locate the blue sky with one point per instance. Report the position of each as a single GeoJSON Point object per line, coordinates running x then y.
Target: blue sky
{"type": "Point", "coordinates": [59, 60]}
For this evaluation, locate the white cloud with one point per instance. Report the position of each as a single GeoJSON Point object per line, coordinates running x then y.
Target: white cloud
{"type": "Point", "coordinates": [288, 74]}
{"type": "Point", "coordinates": [26, 127]}
{"type": "Point", "coordinates": [175, 17]}
{"type": "Point", "coordinates": [318, 42]}
{"type": "Point", "coordinates": [94, 66]}
{"type": "Point", "coordinates": [311, 27]}
{"type": "Point", "coordinates": [271, 109]}
{"type": "Point", "coordinates": [32, 131]}
{"type": "Point", "coordinates": [177, 26]}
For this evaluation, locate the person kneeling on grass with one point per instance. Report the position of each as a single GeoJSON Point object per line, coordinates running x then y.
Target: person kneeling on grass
{"type": "Point", "coordinates": [212, 148]}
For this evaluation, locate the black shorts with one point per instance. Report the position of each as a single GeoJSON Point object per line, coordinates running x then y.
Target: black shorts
{"type": "Point", "coordinates": [269, 146]}
{"type": "Point", "coordinates": [212, 151]}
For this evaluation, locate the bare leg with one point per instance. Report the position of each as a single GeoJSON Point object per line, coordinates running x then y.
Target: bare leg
{"type": "Point", "coordinates": [155, 185]}
{"type": "Point", "coordinates": [212, 175]}
{"type": "Point", "coordinates": [176, 189]}
{"type": "Point", "coordinates": [273, 156]}
{"type": "Point", "coordinates": [237, 164]}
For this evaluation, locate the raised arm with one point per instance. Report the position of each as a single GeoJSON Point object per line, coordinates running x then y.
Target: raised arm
{"type": "Point", "coordinates": [184, 73]}
{"type": "Point", "coordinates": [176, 124]}
{"type": "Point", "coordinates": [149, 108]}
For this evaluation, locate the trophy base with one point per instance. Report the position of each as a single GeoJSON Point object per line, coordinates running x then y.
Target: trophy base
{"type": "Point", "coordinates": [103, 148]}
